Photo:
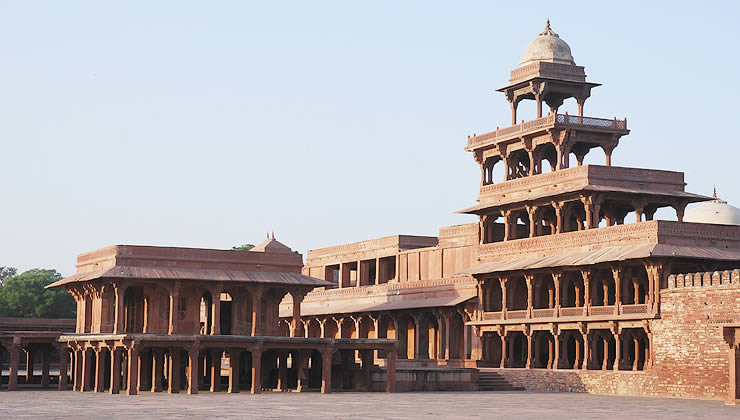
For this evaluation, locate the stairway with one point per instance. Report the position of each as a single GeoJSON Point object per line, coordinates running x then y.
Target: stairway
{"type": "Point", "coordinates": [489, 380]}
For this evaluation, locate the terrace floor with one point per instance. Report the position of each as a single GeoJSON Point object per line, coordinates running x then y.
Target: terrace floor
{"type": "Point", "coordinates": [439, 405]}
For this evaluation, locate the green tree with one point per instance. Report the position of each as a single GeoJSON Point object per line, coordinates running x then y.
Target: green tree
{"type": "Point", "coordinates": [6, 272]}
{"type": "Point", "coordinates": [245, 247]}
{"type": "Point", "coordinates": [24, 296]}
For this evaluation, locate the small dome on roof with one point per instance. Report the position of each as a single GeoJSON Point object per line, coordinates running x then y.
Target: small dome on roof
{"type": "Point", "coordinates": [716, 211]}
{"type": "Point", "coordinates": [547, 47]}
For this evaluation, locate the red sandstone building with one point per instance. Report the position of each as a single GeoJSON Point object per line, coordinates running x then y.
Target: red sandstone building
{"type": "Point", "coordinates": [567, 282]}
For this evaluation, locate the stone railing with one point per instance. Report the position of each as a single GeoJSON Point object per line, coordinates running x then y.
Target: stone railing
{"type": "Point", "coordinates": [543, 313]}
{"type": "Point", "coordinates": [578, 311]}
{"type": "Point", "coordinates": [516, 314]}
{"type": "Point", "coordinates": [568, 312]}
{"type": "Point", "coordinates": [565, 120]}
{"type": "Point", "coordinates": [640, 308]}
{"type": "Point", "coordinates": [704, 279]}
{"type": "Point", "coordinates": [601, 310]}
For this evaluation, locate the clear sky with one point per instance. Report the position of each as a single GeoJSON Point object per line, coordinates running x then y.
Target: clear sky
{"type": "Point", "coordinates": [207, 124]}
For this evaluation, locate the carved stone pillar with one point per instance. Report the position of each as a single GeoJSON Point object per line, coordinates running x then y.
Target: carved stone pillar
{"type": "Point", "coordinates": [234, 368]}
{"type": "Point", "coordinates": [133, 370]}
{"type": "Point", "coordinates": [100, 368]}
{"type": "Point", "coordinates": [194, 373]}
{"type": "Point", "coordinates": [296, 321]}
{"type": "Point", "coordinates": [14, 357]}
{"type": "Point", "coordinates": [174, 374]}
{"type": "Point", "coordinates": [256, 370]}
{"type": "Point", "coordinates": [390, 378]}
{"type": "Point", "coordinates": [257, 293]}
{"type": "Point", "coordinates": [326, 357]}
{"type": "Point", "coordinates": [115, 370]}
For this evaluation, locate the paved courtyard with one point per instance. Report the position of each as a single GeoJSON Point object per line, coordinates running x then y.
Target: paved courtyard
{"type": "Point", "coordinates": [440, 405]}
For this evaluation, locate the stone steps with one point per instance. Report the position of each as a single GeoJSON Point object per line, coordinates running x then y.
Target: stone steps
{"type": "Point", "coordinates": [492, 381]}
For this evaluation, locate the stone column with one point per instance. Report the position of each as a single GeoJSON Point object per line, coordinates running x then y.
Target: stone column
{"type": "Point", "coordinates": [100, 368]}
{"type": "Point", "coordinates": [45, 368]}
{"type": "Point", "coordinates": [256, 293]}
{"type": "Point", "coordinates": [296, 321]}
{"type": "Point", "coordinates": [216, 310]}
{"type": "Point", "coordinates": [133, 370]}
{"type": "Point", "coordinates": [193, 371]}
{"type": "Point", "coordinates": [14, 351]}
{"type": "Point", "coordinates": [119, 318]}
{"type": "Point", "coordinates": [282, 384]}
{"type": "Point", "coordinates": [87, 369]}
{"type": "Point", "coordinates": [326, 356]}
{"type": "Point", "coordinates": [504, 347]}
{"type": "Point", "coordinates": [77, 386]}
{"type": "Point", "coordinates": [157, 370]}
{"type": "Point", "coordinates": [504, 297]}
{"type": "Point", "coordinates": [507, 224]}
{"type": "Point", "coordinates": [529, 350]}
{"type": "Point", "coordinates": [63, 366]}
{"type": "Point", "coordinates": [216, 370]}
{"type": "Point", "coordinates": [618, 350]}
{"type": "Point", "coordinates": [367, 362]}
{"type": "Point", "coordinates": [530, 303]}
{"type": "Point", "coordinates": [174, 308]}
{"type": "Point", "coordinates": [586, 274]}
{"type": "Point", "coordinates": [556, 283]}
{"type": "Point", "coordinates": [417, 341]}
{"type": "Point", "coordinates": [256, 370]}
{"type": "Point", "coordinates": [174, 375]}
{"type": "Point", "coordinates": [586, 350]}
{"type": "Point", "coordinates": [556, 342]}
{"type": "Point", "coordinates": [234, 368]}
{"type": "Point", "coordinates": [390, 373]}
{"type": "Point", "coordinates": [617, 274]}
{"type": "Point", "coordinates": [29, 365]}
{"type": "Point", "coordinates": [447, 336]}
{"type": "Point", "coordinates": [301, 364]}
{"type": "Point", "coordinates": [115, 370]}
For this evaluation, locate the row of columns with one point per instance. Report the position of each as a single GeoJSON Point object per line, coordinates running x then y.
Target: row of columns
{"type": "Point", "coordinates": [655, 272]}
{"type": "Point", "coordinates": [93, 377]}
{"type": "Point", "coordinates": [587, 345]}
{"type": "Point", "coordinates": [14, 352]}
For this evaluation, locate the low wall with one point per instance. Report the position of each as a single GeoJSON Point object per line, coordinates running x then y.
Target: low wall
{"type": "Point", "coordinates": [636, 384]}
{"type": "Point", "coordinates": [429, 379]}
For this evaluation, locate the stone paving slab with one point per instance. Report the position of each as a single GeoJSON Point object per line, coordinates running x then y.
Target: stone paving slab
{"type": "Point", "coordinates": [437, 405]}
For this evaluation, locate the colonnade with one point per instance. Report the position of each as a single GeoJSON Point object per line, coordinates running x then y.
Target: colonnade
{"type": "Point", "coordinates": [567, 215]}
{"type": "Point", "coordinates": [133, 368]}
{"type": "Point", "coordinates": [19, 355]}
{"type": "Point", "coordinates": [615, 348]}
{"type": "Point", "coordinates": [587, 291]}
{"type": "Point", "coordinates": [424, 334]}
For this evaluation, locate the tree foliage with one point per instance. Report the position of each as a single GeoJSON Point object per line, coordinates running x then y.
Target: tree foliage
{"type": "Point", "coordinates": [6, 272]}
{"type": "Point", "coordinates": [245, 247]}
{"type": "Point", "coordinates": [24, 296]}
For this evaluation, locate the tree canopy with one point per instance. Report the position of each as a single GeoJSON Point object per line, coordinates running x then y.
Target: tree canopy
{"type": "Point", "coordinates": [245, 247]}
{"type": "Point", "coordinates": [24, 296]}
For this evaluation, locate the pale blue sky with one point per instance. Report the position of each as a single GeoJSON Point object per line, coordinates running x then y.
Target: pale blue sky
{"type": "Point", "coordinates": [207, 124]}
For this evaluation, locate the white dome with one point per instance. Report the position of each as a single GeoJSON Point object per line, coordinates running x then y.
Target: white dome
{"type": "Point", "coordinates": [717, 212]}
{"type": "Point", "coordinates": [547, 47]}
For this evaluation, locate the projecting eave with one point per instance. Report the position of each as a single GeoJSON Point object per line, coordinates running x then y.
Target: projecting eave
{"type": "Point", "coordinates": [603, 255]}
{"type": "Point", "coordinates": [688, 197]}
{"type": "Point", "coordinates": [210, 275]}
{"type": "Point", "coordinates": [525, 82]}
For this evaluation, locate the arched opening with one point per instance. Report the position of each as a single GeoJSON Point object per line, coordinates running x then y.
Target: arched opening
{"type": "Point", "coordinates": [133, 301]}
{"type": "Point", "coordinates": [492, 349]}
{"type": "Point", "coordinates": [572, 353]}
{"type": "Point", "coordinates": [635, 348]}
{"type": "Point", "coordinates": [574, 216]}
{"type": "Point", "coordinates": [602, 288]}
{"type": "Point", "coordinates": [330, 328]}
{"type": "Point", "coordinates": [348, 328]}
{"type": "Point", "coordinates": [543, 349]}
{"type": "Point", "coordinates": [428, 337]}
{"type": "Point", "coordinates": [517, 293]}
{"type": "Point", "coordinates": [406, 337]}
{"type": "Point", "coordinates": [572, 292]}
{"type": "Point", "coordinates": [636, 286]}
{"type": "Point", "coordinates": [492, 298]}
{"type": "Point", "coordinates": [517, 352]}
{"type": "Point", "coordinates": [489, 171]}
{"type": "Point", "coordinates": [603, 353]}
{"type": "Point", "coordinates": [457, 336]}
{"type": "Point", "coordinates": [367, 328]}
{"type": "Point", "coordinates": [519, 224]}
{"type": "Point", "coordinates": [518, 164]}
{"type": "Point", "coordinates": [206, 315]}
{"type": "Point", "coordinates": [227, 315]}
{"type": "Point", "coordinates": [493, 228]}
{"type": "Point", "coordinates": [546, 158]}
{"type": "Point", "coordinates": [544, 292]}
{"type": "Point", "coordinates": [284, 328]}
{"type": "Point", "coordinates": [314, 328]}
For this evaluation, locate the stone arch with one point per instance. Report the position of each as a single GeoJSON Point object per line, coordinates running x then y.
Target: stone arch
{"type": "Point", "coordinates": [367, 328]}
{"type": "Point", "coordinates": [517, 293]}
{"type": "Point", "coordinates": [544, 292]}
{"type": "Point", "coordinates": [572, 293]}
{"type": "Point", "coordinates": [133, 301]}
{"type": "Point", "coordinates": [602, 288]}
{"type": "Point", "coordinates": [313, 327]}
{"type": "Point", "coordinates": [457, 336]}
{"type": "Point", "coordinates": [331, 328]}
{"type": "Point", "coordinates": [492, 296]}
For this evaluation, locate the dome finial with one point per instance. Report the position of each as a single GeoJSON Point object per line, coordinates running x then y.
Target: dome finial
{"type": "Point", "coordinates": [548, 30]}
{"type": "Point", "coordinates": [714, 192]}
